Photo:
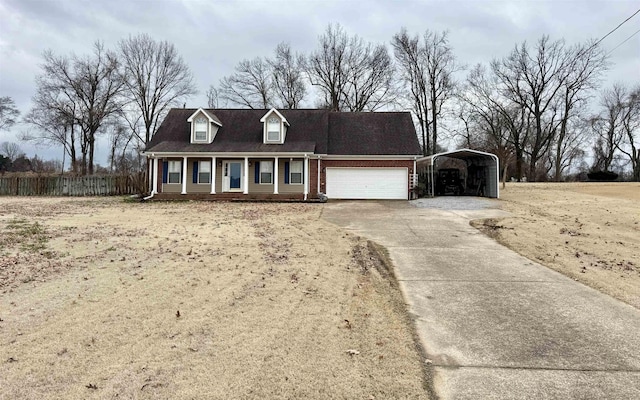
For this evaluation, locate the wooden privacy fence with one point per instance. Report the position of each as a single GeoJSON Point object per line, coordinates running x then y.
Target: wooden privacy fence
{"type": "Point", "coordinates": [107, 185]}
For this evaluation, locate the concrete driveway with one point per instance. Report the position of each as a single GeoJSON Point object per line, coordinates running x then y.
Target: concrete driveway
{"type": "Point", "coordinates": [497, 325]}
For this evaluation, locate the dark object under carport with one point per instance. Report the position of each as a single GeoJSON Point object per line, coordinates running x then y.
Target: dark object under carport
{"type": "Point", "coordinates": [482, 172]}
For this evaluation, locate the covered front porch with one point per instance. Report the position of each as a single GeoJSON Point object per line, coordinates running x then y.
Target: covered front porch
{"type": "Point", "coordinates": [230, 176]}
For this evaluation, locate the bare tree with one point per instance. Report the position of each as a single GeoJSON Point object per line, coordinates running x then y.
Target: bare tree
{"type": "Point", "coordinates": [351, 74]}
{"type": "Point", "coordinates": [370, 75]}
{"type": "Point", "coordinates": [440, 66]}
{"type": "Point", "coordinates": [250, 85]}
{"type": "Point", "coordinates": [287, 79]}
{"type": "Point", "coordinates": [607, 128]}
{"type": "Point", "coordinates": [630, 127]}
{"type": "Point", "coordinates": [53, 122]}
{"type": "Point", "coordinates": [10, 150]}
{"type": "Point", "coordinates": [8, 113]}
{"type": "Point", "coordinates": [532, 81]}
{"type": "Point", "coordinates": [213, 97]}
{"type": "Point", "coordinates": [84, 92]}
{"type": "Point", "coordinates": [427, 68]}
{"type": "Point", "coordinates": [120, 139]}
{"type": "Point", "coordinates": [407, 53]}
{"type": "Point", "coordinates": [585, 64]}
{"type": "Point", "coordinates": [156, 78]}
{"type": "Point", "coordinates": [506, 128]}
{"type": "Point", "coordinates": [568, 147]}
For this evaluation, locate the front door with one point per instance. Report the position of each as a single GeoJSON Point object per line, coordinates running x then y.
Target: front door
{"type": "Point", "coordinates": [232, 176]}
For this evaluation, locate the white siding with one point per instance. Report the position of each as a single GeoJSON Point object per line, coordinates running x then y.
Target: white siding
{"type": "Point", "coordinates": [367, 183]}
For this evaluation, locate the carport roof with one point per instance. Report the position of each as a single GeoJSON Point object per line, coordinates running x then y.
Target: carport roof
{"type": "Point", "coordinates": [462, 154]}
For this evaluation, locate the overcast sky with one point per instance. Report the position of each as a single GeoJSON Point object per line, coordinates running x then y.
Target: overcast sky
{"type": "Point", "coordinates": [213, 36]}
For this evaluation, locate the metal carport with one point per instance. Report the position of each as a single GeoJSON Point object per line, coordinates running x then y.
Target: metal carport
{"type": "Point", "coordinates": [487, 164]}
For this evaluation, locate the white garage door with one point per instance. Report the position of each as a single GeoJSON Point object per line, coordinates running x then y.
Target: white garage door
{"type": "Point", "coordinates": [367, 183]}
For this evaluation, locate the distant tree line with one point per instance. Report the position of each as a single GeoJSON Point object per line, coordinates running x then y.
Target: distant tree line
{"type": "Point", "coordinates": [12, 159]}
{"type": "Point", "coordinates": [534, 107]}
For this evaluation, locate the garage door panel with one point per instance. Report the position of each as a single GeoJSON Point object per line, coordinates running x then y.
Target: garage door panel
{"type": "Point", "coordinates": [367, 183]}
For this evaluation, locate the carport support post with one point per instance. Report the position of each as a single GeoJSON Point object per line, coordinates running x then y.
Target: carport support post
{"type": "Point", "coordinates": [433, 179]}
{"type": "Point", "coordinates": [213, 175]}
{"type": "Point", "coordinates": [275, 176]}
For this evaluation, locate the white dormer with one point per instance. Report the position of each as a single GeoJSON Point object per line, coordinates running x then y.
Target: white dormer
{"type": "Point", "coordinates": [274, 127]}
{"type": "Point", "coordinates": [204, 126]}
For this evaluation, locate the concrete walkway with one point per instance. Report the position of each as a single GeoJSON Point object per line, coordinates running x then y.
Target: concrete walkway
{"type": "Point", "coordinates": [497, 325]}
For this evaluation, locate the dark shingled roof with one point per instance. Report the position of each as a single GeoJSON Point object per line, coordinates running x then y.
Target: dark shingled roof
{"type": "Point", "coordinates": [313, 131]}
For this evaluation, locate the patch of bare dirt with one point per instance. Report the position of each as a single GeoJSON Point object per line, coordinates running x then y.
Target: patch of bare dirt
{"type": "Point", "coordinates": [105, 299]}
{"type": "Point", "coordinates": [587, 231]}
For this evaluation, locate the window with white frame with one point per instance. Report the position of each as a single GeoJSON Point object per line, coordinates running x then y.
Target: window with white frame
{"type": "Point", "coordinates": [200, 129]}
{"type": "Point", "coordinates": [174, 172]}
{"type": "Point", "coordinates": [204, 172]}
{"type": "Point", "coordinates": [266, 171]}
{"type": "Point", "coordinates": [273, 130]}
{"type": "Point", "coordinates": [295, 172]}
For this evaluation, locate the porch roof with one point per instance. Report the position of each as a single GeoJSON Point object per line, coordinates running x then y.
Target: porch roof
{"type": "Point", "coordinates": [233, 147]}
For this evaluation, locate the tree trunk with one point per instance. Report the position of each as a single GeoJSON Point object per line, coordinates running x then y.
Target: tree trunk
{"type": "Point", "coordinates": [92, 144]}
{"type": "Point", "coordinates": [434, 125]}
{"type": "Point", "coordinates": [519, 154]}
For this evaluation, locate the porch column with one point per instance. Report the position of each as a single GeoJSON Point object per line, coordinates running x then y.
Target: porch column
{"type": "Point", "coordinates": [155, 176]}
{"type": "Point", "coordinates": [306, 176]}
{"type": "Point", "coordinates": [213, 175]}
{"type": "Point", "coordinates": [246, 176]}
{"type": "Point", "coordinates": [275, 176]}
{"type": "Point", "coordinates": [184, 175]}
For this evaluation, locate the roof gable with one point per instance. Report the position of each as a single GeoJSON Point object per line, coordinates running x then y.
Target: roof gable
{"type": "Point", "coordinates": [212, 117]}
{"type": "Point", "coordinates": [274, 111]}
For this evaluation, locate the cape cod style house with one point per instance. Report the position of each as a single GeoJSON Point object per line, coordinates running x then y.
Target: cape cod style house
{"type": "Point", "coordinates": [283, 154]}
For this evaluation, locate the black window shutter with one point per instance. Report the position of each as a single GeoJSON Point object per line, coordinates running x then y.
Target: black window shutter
{"type": "Point", "coordinates": [165, 171]}
{"type": "Point", "coordinates": [257, 175]}
{"type": "Point", "coordinates": [286, 172]}
{"type": "Point", "coordinates": [195, 172]}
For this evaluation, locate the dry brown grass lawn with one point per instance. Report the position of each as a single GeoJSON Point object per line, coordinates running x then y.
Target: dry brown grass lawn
{"type": "Point", "coordinates": [587, 231]}
{"type": "Point", "coordinates": [105, 299]}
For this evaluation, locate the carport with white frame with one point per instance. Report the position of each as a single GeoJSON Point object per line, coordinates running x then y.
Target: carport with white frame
{"type": "Point", "coordinates": [485, 164]}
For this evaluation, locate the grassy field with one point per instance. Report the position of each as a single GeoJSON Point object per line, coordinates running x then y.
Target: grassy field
{"type": "Point", "coordinates": [587, 231]}
{"type": "Point", "coordinates": [100, 298]}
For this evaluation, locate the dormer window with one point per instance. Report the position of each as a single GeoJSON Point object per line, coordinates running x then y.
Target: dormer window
{"type": "Point", "coordinates": [200, 129]}
{"type": "Point", "coordinates": [274, 127]}
{"type": "Point", "coordinates": [204, 126]}
{"type": "Point", "coordinates": [273, 130]}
